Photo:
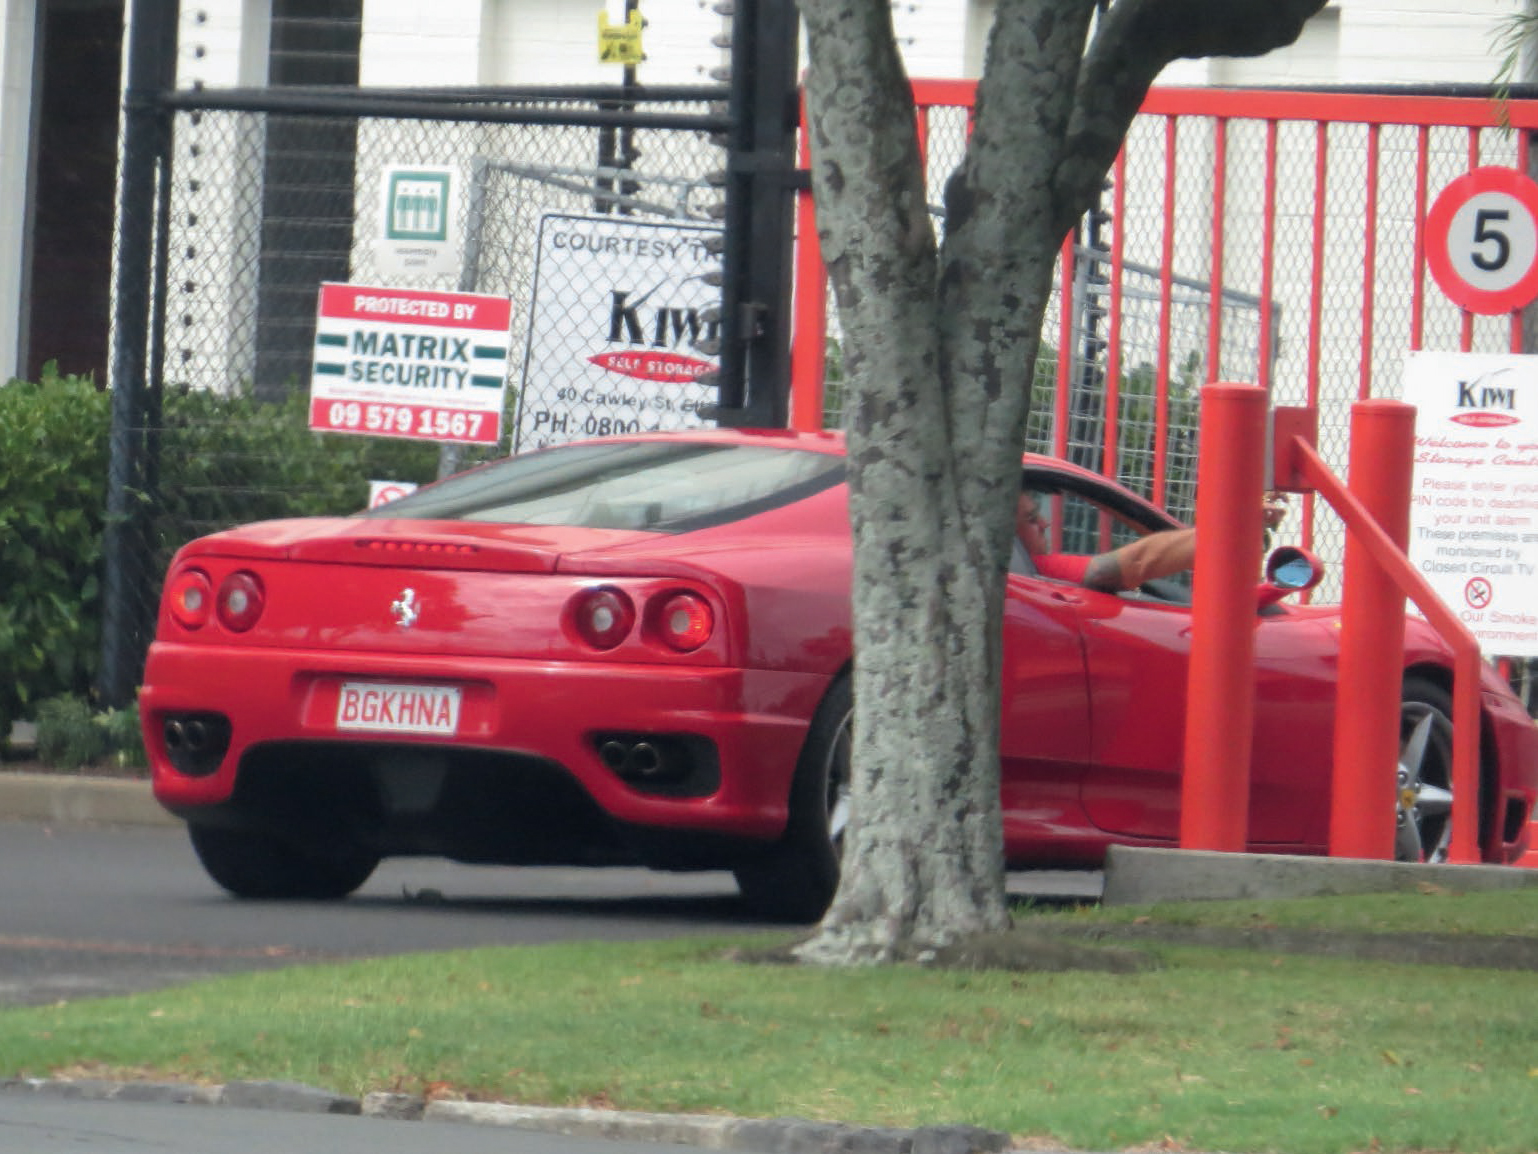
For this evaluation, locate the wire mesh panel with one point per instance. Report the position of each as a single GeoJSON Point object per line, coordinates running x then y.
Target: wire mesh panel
{"type": "Point", "coordinates": [226, 250]}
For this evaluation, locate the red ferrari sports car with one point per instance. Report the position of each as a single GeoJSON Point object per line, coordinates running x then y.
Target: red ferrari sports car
{"type": "Point", "coordinates": [637, 650]}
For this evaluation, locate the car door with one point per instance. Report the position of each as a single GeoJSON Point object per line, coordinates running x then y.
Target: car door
{"type": "Point", "coordinates": [1137, 648]}
{"type": "Point", "coordinates": [1044, 741]}
{"type": "Point", "coordinates": [1138, 661]}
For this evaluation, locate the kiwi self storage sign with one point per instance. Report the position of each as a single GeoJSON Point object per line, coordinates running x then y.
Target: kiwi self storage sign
{"type": "Point", "coordinates": [620, 307]}
{"type": "Point", "coordinates": [1474, 504]}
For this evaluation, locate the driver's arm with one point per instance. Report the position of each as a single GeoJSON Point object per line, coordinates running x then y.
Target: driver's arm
{"type": "Point", "coordinates": [1156, 555]}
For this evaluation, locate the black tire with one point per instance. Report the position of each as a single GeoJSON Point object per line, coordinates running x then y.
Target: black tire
{"type": "Point", "coordinates": [1423, 805]}
{"type": "Point", "coordinates": [257, 865]}
{"type": "Point", "coordinates": [794, 880]}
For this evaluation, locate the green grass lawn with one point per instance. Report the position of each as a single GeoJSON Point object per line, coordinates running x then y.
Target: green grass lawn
{"type": "Point", "coordinates": [1235, 1050]}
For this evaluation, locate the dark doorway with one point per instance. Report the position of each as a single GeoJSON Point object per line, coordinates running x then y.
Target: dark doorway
{"type": "Point", "coordinates": [307, 187]}
{"type": "Point", "coordinates": [68, 275]}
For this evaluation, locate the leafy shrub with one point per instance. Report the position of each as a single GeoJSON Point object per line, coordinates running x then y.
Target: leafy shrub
{"type": "Point", "coordinates": [68, 736]}
{"type": "Point", "coordinates": [71, 735]}
{"type": "Point", "coordinates": [125, 741]}
{"type": "Point", "coordinates": [53, 469]}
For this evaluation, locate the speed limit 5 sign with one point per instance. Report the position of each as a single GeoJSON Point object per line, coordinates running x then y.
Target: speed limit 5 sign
{"type": "Point", "coordinates": [1482, 240]}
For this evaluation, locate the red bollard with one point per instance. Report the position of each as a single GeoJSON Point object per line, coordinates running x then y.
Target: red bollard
{"type": "Point", "coordinates": [1220, 706]}
{"type": "Point", "coordinates": [1372, 637]}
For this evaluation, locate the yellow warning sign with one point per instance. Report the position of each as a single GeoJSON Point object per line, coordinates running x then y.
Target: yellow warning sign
{"type": "Point", "coordinates": [619, 43]}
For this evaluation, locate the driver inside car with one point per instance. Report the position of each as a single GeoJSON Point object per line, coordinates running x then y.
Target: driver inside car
{"type": "Point", "coordinates": [1126, 567]}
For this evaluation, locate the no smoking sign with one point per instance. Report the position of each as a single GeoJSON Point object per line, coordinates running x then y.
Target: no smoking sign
{"type": "Point", "coordinates": [1482, 240]}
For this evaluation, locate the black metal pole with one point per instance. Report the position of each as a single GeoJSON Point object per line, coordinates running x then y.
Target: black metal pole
{"type": "Point", "coordinates": [760, 183]}
{"type": "Point", "coordinates": [150, 68]}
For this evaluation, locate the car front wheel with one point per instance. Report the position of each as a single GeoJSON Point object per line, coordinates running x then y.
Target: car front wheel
{"type": "Point", "coordinates": [251, 864]}
{"type": "Point", "coordinates": [1424, 792]}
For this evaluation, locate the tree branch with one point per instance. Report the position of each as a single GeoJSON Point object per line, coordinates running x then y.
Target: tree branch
{"type": "Point", "coordinates": [1135, 41]}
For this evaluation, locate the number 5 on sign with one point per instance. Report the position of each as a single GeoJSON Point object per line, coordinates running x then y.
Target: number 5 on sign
{"type": "Point", "coordinates": [1482, 240]}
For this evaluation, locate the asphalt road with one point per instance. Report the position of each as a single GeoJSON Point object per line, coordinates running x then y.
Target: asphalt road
{"type": "Point", "coordinates": [91, 911]}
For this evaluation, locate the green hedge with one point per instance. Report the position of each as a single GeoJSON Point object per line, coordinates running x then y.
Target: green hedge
{"type": "Point", "coordinates": [53, 466]}
{"type": "Point", "coordinates": [217, 460]}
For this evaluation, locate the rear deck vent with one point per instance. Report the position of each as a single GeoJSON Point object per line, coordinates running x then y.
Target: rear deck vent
{"type": "Point", "coordinates": [419, 547]}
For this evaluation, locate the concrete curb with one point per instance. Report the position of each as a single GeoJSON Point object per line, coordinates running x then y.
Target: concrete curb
{"type": "Point", "coordinates": [1135, 877]}
{"type": "Point", "coordinates": [68, 799]}
{"type": "Point", "coordinates": [713, 1132]}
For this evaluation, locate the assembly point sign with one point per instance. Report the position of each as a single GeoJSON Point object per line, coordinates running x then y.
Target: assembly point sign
{"type": "Point", "coordinates": [427, 366]}
{"type": "Point", "coordinates": [621, 308]}
{"type": "Point", "coordinates": [1474, 505]}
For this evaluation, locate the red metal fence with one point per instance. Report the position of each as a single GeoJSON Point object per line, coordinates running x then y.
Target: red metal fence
{"type": "Point", "coordinates": [1244, 235]}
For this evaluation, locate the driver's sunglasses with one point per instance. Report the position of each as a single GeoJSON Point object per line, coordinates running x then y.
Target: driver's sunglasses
{"type": "Point", "coordinates": [1036, 516]}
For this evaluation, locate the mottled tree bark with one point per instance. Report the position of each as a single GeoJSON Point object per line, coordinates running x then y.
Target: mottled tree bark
{"type": "Point", "coordinates": [940, 342]}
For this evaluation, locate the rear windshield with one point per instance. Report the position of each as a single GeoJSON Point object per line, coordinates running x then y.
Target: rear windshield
{"type": "Point", "coordinates": [666, 486]}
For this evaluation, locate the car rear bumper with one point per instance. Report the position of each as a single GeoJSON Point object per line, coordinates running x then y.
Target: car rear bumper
{"type": "Point", "coordinates": [550, 714]}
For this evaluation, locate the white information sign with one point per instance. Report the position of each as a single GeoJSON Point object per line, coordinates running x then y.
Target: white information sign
{"type": "Point", "coordinates": [427, 366]}
{"type": "Point", "coordinates": [1474, 505]}
{"type": "Point", "coordinates": [618, 312]}
{"type": "Point", "coordinates": [417, 235]}
{"type": "Point", "coordinates": [383, 492]}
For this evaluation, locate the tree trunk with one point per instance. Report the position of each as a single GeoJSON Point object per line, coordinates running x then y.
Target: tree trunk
{"type": "Point", "coordinates": [940, 344]}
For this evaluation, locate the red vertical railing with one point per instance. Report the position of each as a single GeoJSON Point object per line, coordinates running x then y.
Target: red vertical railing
{"type": "Point", "coordinates": [1166, 311]}
{"type": "Point", "coordinates": [1215, 273]}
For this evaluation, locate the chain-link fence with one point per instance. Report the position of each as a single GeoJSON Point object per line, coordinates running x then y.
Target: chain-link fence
{"type": "Point", "coordinates": [265, 198]}
{"type": "Point", "coordinates": [253, 236]}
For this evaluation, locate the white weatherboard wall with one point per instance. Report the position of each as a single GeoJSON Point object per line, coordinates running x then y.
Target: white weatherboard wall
{"type": "Point", "coordinates": [466, 42]}
{"type": "Point", "coordinates": [529, 42]}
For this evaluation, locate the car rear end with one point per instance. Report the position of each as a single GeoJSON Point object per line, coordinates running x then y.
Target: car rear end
{"type": "Point", "coordinates": [489, 691]}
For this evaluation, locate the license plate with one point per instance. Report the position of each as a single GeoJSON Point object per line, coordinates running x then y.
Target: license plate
{"type": "Point", "coordinates": [374, 708]}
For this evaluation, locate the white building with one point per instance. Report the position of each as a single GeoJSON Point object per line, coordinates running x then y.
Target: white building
{"type": "Point", "coordinates": [59, 95]}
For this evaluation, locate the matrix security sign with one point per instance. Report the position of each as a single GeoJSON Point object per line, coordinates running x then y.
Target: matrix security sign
{"type": "Point", "coordinates": [1474, 505]}
{"type": "Point", "coordinates": [620, 309]}
{"type": "Point", "coordinates": [428, 366]}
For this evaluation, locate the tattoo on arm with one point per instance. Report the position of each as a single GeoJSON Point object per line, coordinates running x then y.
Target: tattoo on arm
{"type": "Point", "coordinates": [1104, 573]}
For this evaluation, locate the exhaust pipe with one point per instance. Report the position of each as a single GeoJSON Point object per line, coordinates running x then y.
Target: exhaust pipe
{"type": "Point", "coordinates": [644, 759]}
{"type": "Point", "coordinates": [195, 733]}
{"type": "Point", "coordinates": [196, 743]}
{"type": "Point", "coordinates": [631, 758]}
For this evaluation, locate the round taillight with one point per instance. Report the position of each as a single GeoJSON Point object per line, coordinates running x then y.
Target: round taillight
{"type": "Point", "coordinates": [604, 617]}
{"type": "Point", "coordinates": [241, 601]}
{"type": "Point", "coordinates": [685, 622]}
{"type": "Point", "coordinates": [190, 597]}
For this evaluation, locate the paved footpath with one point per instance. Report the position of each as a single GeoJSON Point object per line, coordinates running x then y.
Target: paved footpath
{"type": "Point", "coordinates": [91, 1117]}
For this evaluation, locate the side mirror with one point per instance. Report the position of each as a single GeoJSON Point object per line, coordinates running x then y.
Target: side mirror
{"type": "Point", "coordinates": [1289, 570]}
